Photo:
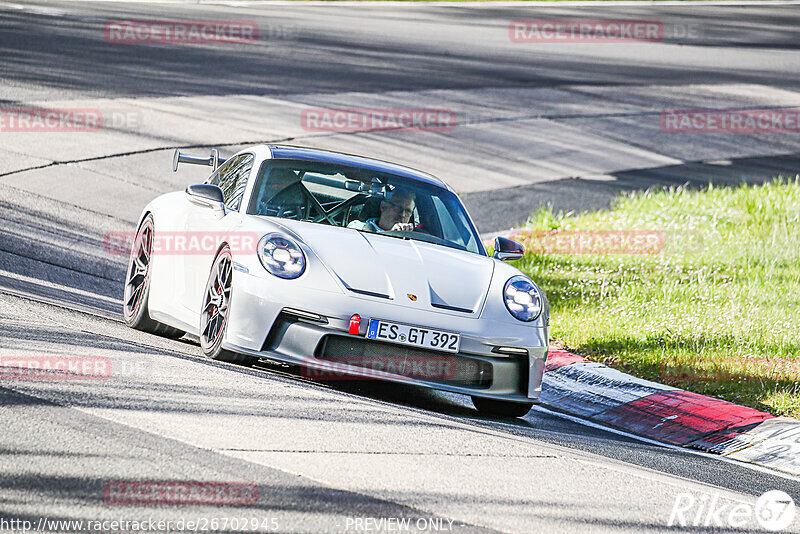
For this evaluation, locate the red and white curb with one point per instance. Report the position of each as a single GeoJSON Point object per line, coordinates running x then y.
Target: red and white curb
{"type": "Point", "coordinates": [599, 393]}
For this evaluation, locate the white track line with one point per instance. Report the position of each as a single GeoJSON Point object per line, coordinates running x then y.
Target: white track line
{"type": "Point", "coordinates": [586, 422]}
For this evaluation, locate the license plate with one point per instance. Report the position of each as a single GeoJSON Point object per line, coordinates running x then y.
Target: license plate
{"type": "Point", "coordinates": [415, 336]}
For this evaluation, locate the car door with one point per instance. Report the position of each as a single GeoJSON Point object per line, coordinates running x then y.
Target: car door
{"type": "Point", "coordinates": [207, 227]}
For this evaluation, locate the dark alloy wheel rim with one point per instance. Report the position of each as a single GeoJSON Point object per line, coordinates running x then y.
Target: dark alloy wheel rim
{"type": "Point", "coordinates": [216, 303]}
{"type": "Point", "coordinates": [138, 269]}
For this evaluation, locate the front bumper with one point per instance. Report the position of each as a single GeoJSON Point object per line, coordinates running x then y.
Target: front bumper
{"type": "Point", "coordinates": [262, 325]}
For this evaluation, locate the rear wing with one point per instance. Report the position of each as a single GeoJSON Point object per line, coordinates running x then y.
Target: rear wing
{"type": "Point", "coordinates": [213, 160]}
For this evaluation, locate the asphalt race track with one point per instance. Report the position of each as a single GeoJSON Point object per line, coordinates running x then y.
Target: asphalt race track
{"type": "Point", "coordinates": [571, 125]}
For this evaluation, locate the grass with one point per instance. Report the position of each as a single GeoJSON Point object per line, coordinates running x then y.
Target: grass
{"type": "Point", "coordinates": [716, 311]}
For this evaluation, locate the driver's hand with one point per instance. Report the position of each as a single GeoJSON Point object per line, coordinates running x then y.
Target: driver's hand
{"type": "Point", "coordinates": [403, 227]}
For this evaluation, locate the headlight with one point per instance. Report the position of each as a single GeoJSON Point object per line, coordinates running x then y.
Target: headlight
{"type": "Point", "coordinates": [522, 298]}
{"type": "Point", "coordinates": [281, 256]}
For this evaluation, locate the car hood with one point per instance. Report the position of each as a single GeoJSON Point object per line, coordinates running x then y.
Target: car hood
{"type": "Point", "coordinates": [413, 273]}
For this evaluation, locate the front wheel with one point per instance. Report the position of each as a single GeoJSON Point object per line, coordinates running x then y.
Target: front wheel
{"type": "Point", "coordinates": [216, 310]}
{"type": "Point", "coordinates": [137, 285]}
{"type": "Point", "coordinates": [501, 408]}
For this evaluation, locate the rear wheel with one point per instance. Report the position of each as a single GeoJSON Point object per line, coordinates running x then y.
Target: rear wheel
{"type": "Point", "coordinates": [501, 408]}
{"type": "Point", "coordinates": [137, 285]}
{"type": "Point", "coordinates": [216, 310]}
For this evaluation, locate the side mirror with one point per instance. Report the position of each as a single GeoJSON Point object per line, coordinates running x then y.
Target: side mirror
{"type": "Point", "coordinates": [206, 195]}
{"type": "Point", "coordinates": [507, 249]}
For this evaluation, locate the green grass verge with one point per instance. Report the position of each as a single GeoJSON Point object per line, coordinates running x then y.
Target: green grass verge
{"type": "Point", "coordinates": [716, 311]}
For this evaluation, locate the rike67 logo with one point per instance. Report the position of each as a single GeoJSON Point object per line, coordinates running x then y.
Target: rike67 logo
{"type": "Point", "coordinates": [774, 511]}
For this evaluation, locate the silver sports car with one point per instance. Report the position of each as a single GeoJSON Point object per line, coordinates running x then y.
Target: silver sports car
{"type": "Point", "coordinates": [345, 266]}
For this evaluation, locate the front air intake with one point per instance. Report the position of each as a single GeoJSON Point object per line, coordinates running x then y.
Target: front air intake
{"type": "Point", "coordinates": [410, 362]}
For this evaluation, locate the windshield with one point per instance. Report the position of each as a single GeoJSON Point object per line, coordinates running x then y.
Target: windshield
{"type": "Point", "coordinates": [363, 200]}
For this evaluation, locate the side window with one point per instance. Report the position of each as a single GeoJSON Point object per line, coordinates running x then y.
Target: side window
{"type": "Point", "coordinates": [233, 179]}
{"type": "Point", "coordinates": [448, 225]}
{"type": "Point", "coordinates": [456, 228]}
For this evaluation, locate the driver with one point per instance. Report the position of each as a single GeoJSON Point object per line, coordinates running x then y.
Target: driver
{"type": "Point", "coordinates": [396, 212]}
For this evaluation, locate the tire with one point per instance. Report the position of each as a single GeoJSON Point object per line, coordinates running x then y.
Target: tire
{"type": "Point", "coordinates": [501, 408]}
{"type": "Point", "coordinates": [135, 309]}
{"type": "Point", "coordinates": [216, 309]}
